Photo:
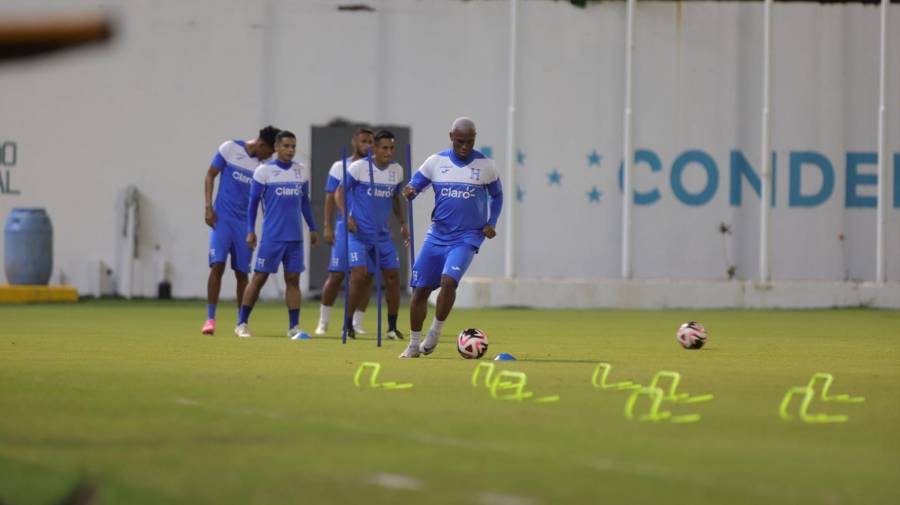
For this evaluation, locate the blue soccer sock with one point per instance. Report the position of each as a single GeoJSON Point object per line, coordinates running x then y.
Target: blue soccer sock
{"type": "Point", "coordinates": [211, 311]}
{"type": "Point", "coordinates": [244, 314]}
{"type": "Point", "coordinates": [392, 322]}
{"type": "Point", "coordinates": [294, 317]}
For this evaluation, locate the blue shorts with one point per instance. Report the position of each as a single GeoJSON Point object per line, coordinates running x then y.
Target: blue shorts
{"type": "Point", "coordinates": [363, 254]}
{"type": "Point", "coordinates": [272, 253]}
{"type": "Point", "coordinates": [437, 260]}
{"type": "Point", "coordinates": [338, 253]}
{"type": "Point", "coordinates": [229, 237]}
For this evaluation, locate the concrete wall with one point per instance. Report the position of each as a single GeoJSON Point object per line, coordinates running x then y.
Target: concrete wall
{"type": "Point", "coordinates": [150, 109]}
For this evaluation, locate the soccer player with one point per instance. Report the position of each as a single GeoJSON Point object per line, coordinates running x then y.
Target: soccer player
{"type": "Point", "coordinates": [235, 160]}
{"type": "Point", "coordinates": [334, 236]}
{"type": "Point", "coordinates": [283, 186]}
{"type": "Point", "coordinates": [467, 203]}
{"type": "Point", "coordinates": [373, 196]}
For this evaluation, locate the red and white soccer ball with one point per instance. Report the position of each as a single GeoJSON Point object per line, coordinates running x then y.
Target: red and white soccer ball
{"type": "Point", "coordinates": [472, 343]}
{"type": "Point", "coordinates": [691, 335]}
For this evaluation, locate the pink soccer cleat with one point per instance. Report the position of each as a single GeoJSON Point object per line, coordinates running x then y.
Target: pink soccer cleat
{"type": "Point", "coordinates": [209, 327]}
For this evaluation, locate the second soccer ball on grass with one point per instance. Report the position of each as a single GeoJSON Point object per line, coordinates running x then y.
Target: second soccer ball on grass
{"type": "Point", "coordinates": [691, 335]}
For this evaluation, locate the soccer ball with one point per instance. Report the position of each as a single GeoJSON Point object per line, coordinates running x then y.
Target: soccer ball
{"type": "Point", "coordinates": [472, 343]}
{"type": "Point", "coordinates": [691, 335]}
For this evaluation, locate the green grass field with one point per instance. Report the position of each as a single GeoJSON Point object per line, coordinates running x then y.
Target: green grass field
{"type": "Point", "coordinates": [130, 397]}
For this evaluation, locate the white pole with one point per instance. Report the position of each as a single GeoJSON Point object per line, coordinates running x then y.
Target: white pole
{"type": "Point", "coordinates": [766, 150]}
{"type": "Point", "coordinates": [627, 155]}
{"type": "Point", "coordinates": [880, 273]}
{"type": "Point", "coordinates": [511, 191]}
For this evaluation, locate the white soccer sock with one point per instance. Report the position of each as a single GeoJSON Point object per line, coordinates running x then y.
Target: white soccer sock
{"type": "Point", "coordinates": [324, 312]}
{"type": "Point", "coordinates": [436, 326]}
{"type": "Point", "coordinates": [414, 337]}
{"type": "Point", "coordinates": [358, 318]}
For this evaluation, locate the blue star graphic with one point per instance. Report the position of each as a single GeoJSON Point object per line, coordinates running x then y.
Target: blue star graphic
{"type": "Point", "coordinates": [594, 194]}
{"type": "Point", "coordinates": [555, 177]}
{"type": "Point", "coordinates": [520, 193]}
{"type": "Point", "coordinates": [520, 157]}
{"type": "Point", "coordinates": [594, 158]}
{"type": "Point", "coordinates": [487, 151]}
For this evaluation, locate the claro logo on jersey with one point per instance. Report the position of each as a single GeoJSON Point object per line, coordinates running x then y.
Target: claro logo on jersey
{"type": "Point", "coordinates": [380, 193]}
{"type": "Point", "coordinates": [464, 194]}
{"type": "Point", "coordinates": [283, 191]}
{"type": "Point", "coordinates": [240, 177]}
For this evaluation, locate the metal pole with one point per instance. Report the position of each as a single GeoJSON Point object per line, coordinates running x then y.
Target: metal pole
{"type": "Point", "coordinates": [766, 149]}
{"type": "Point", "coordinates": [377, 255]}
{"type": "Point", "coordinates": [346, 326]}
{"type": "Point", "coordinates": [627, 155]}
{"type": "Point", "coordinates": [409, 211]}
{"type": "Point", "coordinates": [880, 259]}
{"type": "Point", "coordinates": [510, 144]}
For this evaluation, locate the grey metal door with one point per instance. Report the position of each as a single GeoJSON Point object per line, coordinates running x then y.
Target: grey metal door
{"type": "Point", "coordinates": [325, 148]}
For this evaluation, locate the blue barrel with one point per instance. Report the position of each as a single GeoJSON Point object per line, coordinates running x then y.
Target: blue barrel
{"type": "Point", "coordinates": [28, 247]}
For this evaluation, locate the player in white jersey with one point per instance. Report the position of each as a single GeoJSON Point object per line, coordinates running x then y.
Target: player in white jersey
{"type": "Point", "coordinates": [372, 194]}
{"type": "Point", "coordinates": [235, 160]}
{"type": "Point", "coordinates": [467, 201]}
{"type": "Point", "coordinates": [283, 187]}
{"type": "Point", "coordinates": [335, 237]}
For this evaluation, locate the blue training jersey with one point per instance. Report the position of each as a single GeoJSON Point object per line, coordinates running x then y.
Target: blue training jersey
{"type": "Point", "coordinates": [371, 197]}
{"type": "Point", "coordinates": [463, 190]}
{"type": "Point", "coordinates": [284, 191]}
{"type": "Point", "coordinates": [236, 167]}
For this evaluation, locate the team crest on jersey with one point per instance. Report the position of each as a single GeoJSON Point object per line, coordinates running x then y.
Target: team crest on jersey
{"type": "Point", "coordinates": [476, 174]}
{"type": "Point", "coordinates": [392, 176]}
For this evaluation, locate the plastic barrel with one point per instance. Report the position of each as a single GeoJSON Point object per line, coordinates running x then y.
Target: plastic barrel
{"type": "Point", "coordinates": [28, 247]}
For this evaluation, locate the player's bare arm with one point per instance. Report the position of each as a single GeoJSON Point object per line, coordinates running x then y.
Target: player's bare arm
{"type": "Point", "coordinates": [328, 233]}
{"type": "Point", "coordinates": [251, 240]}
{"type": "Point", "coordinates": [208, 184]}
{"type": "Point", "coordinates": [410, 192]}
{"type": "Point", "coordinates": [400, 212]}
{"type": "Point", "coordinates": [339, 201]}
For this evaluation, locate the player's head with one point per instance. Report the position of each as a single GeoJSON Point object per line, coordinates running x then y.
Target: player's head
{"type": "Point", "coordinates": [462, 135]}
{"type": "Point", "coordinates": [362, 141]}
{"type": "Point", "coordinates": [383, 147]}
{"type": "Point", "coordinates": [266, 142]}
{"type": "Point", "coordinates": [285, 145]}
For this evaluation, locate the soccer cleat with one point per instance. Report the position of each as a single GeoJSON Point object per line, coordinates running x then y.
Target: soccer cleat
{"type": "Point", "coordinates": [296, 333]}
{"type": "Point", "coordinates": [209, 327]}
{"type": "Point", "coordinates": [411, 351]}
{"type": "Point", "coordinates": [394, 335]}
{"type": "Point", "coordinates": [359, 330]}
{"type": "Point", "coordinates": [242, 330]}
{"type": "Point", "coordinates": [322, 328]}
{"type": "Point", "coordinates": [429, 344]}
{"type": "Point", "coordinates": [351, 333]}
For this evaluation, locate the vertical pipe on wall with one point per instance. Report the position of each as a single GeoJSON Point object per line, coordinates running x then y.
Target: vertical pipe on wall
{"type": "Point", "coordinates": [766, 149]}
{"type": "Point", "coordinates": [510, 209]}
{"type": "Point", "coordinates": [880, 260]}
{"type": "Point", "coordinates": [627, 156]}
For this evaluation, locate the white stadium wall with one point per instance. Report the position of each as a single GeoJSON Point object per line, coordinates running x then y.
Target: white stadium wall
{"type": "Point", "coordinates": [150, 109]}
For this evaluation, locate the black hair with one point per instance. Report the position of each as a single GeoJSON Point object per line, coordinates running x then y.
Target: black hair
{"type": "Point", "coordinates": [384, 134]}
{"type": "Point", "coordinates": [361, 130]}
{"type": "Point", "coordinates": [284, 134]}
{"type": "Point", "coordinates": [268, 135]}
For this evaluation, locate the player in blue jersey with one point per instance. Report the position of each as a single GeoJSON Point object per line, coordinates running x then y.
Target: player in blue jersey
{"type": "Point", "coordinates": [372, 195]}
{"type": "Point", "coordinates": [334, 236]}
{"type": "Point", "coordinates": [283, 187]}
{"type": "Point", "coordinates": [235, 160]}
{"type": "Point", "coordinates": [467, 203]}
